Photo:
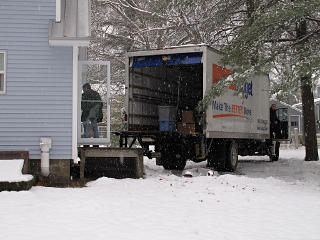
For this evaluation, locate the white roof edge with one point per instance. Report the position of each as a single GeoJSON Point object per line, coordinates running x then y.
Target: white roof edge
{"type": "Point", "coordinates": [69, 42]}
{"type": "Point", "coordinates": [187, 45]}
{"type": "Point", "coordinates": [288, 105]}
{"type": "Point", "coordinates": [173, 50]}
{"type": "Point", "coordinates": [297, 104]}
{"type": "Point", "coordinates": [296, 109]}
{"type": "Point", "coordinates": [316, 100]}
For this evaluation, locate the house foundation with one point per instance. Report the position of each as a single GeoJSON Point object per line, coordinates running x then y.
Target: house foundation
{"type": "Point", "coordinates": [59, 171]}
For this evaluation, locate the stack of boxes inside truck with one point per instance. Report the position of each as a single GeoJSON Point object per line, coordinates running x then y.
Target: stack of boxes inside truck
{"type": "Point", "coordinates": [187, 126]}
{"type": "Point", "coordinates": [167, 118]}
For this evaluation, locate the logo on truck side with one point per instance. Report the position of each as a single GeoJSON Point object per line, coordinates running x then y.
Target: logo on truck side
{"type": "Point", "coordinates": [227, 109]}
{"type": "Point", "coordinates": [219, 72]}
{"type": "Point", "coordinates": [262, 124]}
{"type": "Point", "coordinates": [247, 89]}
{"type": "Point", "coordinates": [231, 110]}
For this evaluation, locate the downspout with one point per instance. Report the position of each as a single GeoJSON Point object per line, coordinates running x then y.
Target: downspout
{"type": "Point", "coordinates": [58, 10]}
{"type": "Point", "coordinates": [75, 103]}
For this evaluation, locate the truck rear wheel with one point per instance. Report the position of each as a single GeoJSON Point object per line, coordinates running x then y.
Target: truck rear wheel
{"type": "Point", "coordinates": [232, 156]}
{"type": "Point", "coordinates": [223, 156]}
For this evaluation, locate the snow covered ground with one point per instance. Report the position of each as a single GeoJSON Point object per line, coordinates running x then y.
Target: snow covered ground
{"type": "Point", "coordinates": [263, 200]}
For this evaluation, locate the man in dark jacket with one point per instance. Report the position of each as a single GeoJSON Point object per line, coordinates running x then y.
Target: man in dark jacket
{"type": "Point", "coordinates": [91, 106]}
{"type": "Point", "coordinates": [274, 122]}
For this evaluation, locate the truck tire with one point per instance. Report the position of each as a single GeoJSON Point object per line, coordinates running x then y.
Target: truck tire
{"type": "Point", "coordinates": [275, 157]}
{"type": "Point", "coordinates": [172, 158]}
{"type": "Point", "coordinates": [158, 161]}
{"type": "Point", "coordinates": [174, 164]}
{"type": "Point", "coordinates": [217, 156]}
{"type": "Point", "coordinates": [232, 157]}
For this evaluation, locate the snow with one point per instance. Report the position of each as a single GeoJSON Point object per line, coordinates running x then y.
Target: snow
{"type": "Point", "coordinates": [11, 171]}
{"type": "Point", "coordinates": [262, 200]}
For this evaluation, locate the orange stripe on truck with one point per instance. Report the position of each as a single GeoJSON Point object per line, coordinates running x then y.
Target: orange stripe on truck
{"type": "Point", "coordinates": [228, 115]}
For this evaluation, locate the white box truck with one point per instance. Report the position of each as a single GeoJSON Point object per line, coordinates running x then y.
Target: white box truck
{"type": "Point", "coordinates": [177, 79]}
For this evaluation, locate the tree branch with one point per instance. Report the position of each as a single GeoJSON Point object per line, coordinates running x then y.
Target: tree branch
{"type": "Point", "coordinates": [313, 19]}
{"type": "Point", "coordinates": [124, 37]}
{"type": "Point", "coordinates": [132, 7]}
{"type": "Point", "coordinates": [280, 40]}
{"type": "Point", "coordinates": [307, 36]}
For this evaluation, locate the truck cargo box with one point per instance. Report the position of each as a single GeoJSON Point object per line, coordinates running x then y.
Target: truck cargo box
{"type": "Point", "coordinates": [180, 77]}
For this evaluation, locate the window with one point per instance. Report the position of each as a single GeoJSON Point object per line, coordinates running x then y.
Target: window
{"type": "Point", "coordinates": [282, 114]}
{"type": "Point", "coordinates": [2, 71]}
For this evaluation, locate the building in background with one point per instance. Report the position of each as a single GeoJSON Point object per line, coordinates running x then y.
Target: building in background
{"type": "Point", "coordinates": [289, 113]}
{"type": "Point", "coordinates": [316, 111]}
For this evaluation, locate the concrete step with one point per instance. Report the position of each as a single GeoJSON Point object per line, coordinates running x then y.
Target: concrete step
{"type": "Point", "coordinates": [111, 162]}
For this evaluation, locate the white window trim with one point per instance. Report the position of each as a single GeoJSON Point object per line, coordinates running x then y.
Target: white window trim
{"type": "Point", "coordinates": [299, 121]}
{"type": "Point", "coordinates": [4, 72]}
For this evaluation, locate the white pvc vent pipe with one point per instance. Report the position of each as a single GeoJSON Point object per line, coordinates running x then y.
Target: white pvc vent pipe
{"type": "Point", "coordinates": [45, 145]}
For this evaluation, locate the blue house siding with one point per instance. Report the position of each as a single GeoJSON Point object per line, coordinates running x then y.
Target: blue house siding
{"type": "Point", "coordinates": [38, 98]}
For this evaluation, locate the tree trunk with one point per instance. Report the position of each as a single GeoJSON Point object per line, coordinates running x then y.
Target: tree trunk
{"type": "Point", "coordinates": [309, 123]}
{"type": "Point", "coordinates": [250, 10]}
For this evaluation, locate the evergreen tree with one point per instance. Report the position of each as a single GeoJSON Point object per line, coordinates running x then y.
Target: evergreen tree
{"type": "Point", "coordinates": [282, 35]}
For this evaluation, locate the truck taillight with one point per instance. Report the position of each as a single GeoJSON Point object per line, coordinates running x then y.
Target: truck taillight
{"type": "Point", "coordinates": [124, 115]}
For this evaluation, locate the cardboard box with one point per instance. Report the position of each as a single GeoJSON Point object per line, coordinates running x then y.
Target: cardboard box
{"type": "Point", "coordinates": [187, 117]}
{"type": "Point", "coordinates": [186, 128]}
